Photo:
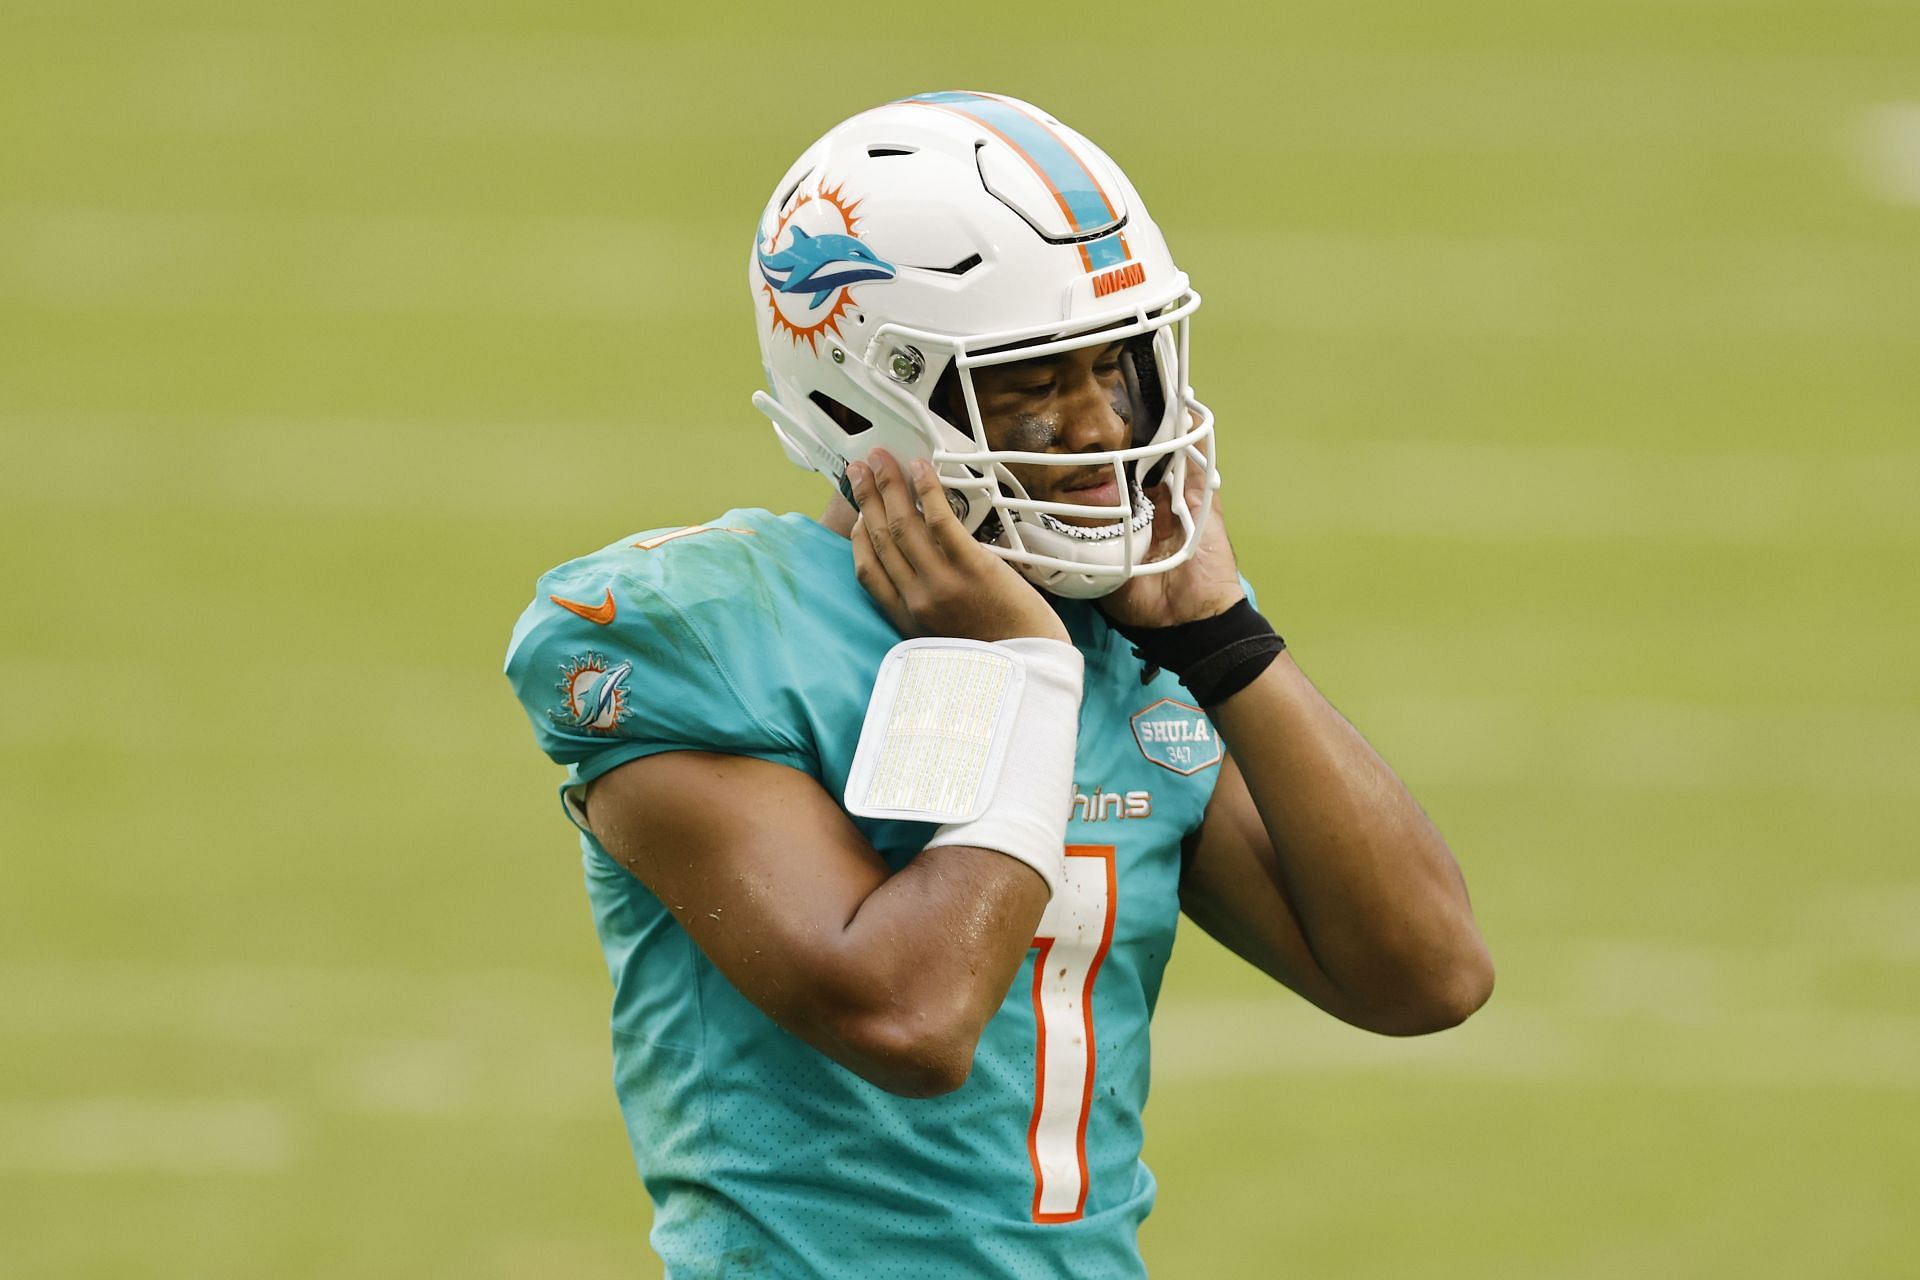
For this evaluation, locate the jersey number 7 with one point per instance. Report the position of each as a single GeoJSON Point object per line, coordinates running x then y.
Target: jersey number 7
{"type": "Point", "coordinates": [1072, 941]}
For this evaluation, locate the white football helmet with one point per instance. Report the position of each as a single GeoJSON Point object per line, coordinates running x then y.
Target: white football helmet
{"type": "Point", "coordinates": [924, 239]}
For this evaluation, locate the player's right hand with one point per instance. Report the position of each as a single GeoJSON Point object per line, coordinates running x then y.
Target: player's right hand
{"type": "Point", "coordinates": [924, 569]}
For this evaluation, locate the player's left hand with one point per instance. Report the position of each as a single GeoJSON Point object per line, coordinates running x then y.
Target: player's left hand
{"type": "Point", "coordinates": [1206, 585]}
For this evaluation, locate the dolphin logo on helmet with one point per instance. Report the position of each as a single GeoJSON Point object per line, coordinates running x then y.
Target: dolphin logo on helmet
{"type": "Point", "coordinates": [820, 264]}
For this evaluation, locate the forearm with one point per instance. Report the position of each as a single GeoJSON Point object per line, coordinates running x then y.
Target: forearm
{"type": "Point", "coordinates": [1378, 897]}
{"type": "Point", "coordinates": [921, 965]}
{"type": "Point", "coordinates": [929, 954]}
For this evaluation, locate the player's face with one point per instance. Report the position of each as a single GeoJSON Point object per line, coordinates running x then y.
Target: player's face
{"type": "Point", "coordinates": [1074, 402]}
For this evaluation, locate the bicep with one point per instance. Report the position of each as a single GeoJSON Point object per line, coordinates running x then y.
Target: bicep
{"type": "Point", "coordinates": [891, 975]}
{"type": "Point", "coordinates": [1233, 890]}
{"type": "Point", "coordinates": [754, 859]}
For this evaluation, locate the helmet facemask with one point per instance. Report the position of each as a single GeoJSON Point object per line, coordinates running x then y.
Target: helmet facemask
{"type": "Point", "coordinates": [1056, 543]}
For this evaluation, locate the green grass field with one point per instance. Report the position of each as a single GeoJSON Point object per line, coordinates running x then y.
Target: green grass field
{"type": "Point", "coordinates": [1567, 361]}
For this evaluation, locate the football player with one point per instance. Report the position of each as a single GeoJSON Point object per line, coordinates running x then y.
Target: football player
{"type": "Point", "coordinates": [888, 816]}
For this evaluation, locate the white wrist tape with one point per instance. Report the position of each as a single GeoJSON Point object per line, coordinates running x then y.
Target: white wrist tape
{"type": "Point", "coordinates": [979, 738]}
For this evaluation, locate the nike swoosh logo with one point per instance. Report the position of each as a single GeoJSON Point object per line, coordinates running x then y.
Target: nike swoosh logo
{"type": "Point", "coordinates": [601, 613]}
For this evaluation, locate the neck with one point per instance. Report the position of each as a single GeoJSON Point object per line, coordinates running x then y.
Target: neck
{"type": "Point", "coordinates": [839, 516]}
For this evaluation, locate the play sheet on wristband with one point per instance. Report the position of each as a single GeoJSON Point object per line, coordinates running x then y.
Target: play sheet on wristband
{"type": "Point", "coordinates": [936, 731]}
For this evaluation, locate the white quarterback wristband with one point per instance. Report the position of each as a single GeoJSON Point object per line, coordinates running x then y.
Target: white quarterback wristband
{"type": "Point", "coordinates": [979, 738]}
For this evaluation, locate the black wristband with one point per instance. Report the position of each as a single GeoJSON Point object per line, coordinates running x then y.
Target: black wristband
{"type": "Point", "coordinates": [1214, 657]}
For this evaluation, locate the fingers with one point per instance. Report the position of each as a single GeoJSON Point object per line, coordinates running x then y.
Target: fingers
{"type": "Point", "coordinates": [1165, 524]}
{"type": "Point", "coordinates": [874, 579]}
{"type": "Point", "coordinates": [949, 535]}
{"type": "Point", "coordinates": [895, 556]}
{"type": "Point", "coordinates": [897, 528]}
{"type": "Point", "coordinates": [1199, 485]}
{"type": "Point", "coordinates": [873, 524]}
{"type": "Point", "coordinates": [922, 568]}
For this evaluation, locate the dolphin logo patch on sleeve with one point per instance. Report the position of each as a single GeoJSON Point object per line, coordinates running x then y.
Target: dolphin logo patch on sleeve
{"type": "Point", "coordinates": [593, 691]}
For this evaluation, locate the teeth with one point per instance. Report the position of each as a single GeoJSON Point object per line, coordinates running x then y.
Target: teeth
{"type": "Point", "coordinates": [1142, 518]}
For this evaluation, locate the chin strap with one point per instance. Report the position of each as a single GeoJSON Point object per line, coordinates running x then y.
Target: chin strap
{"type": "Point", "coordinates": [802, 446]}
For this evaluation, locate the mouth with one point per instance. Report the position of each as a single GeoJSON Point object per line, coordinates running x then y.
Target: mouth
{"type": "Point", "coordinates": [1098, 489]}
{"type": "Point", "coordinates": [1093, 488]}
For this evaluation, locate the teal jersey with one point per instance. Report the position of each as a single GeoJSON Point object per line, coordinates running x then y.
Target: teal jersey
{"type": "Point", "coordinates": [765, 1158]}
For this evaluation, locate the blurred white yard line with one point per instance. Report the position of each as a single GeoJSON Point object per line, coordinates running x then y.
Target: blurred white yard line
{"type": "Point", "coordinates": [93, 226]}
{"type": "Point", "coordinates": [1658, 746]}
{"type": "Point", "coordinates": [1644, 497]}
{"type": "Point", "coordinates": [1888, 142]}
{"type": "Point", "coordinates": [1616, 1010]}
{"type": "Point", "coordinates": [261, 1003]}
{"type": "Point", "coordinates": [553, 1074]}
{"type": "Point", "coordinates": [175, 697]}
{"type": "Point", "coordinates": [1883, 920]}
{"type": "Point", "coordinates": [152, 1135]}
{"type": "Point", "coordinates": [594, 88]}
{"type": "Point", "coordinates": [1723, 290]}
{"type": "Point", "coordinates": [1201, 1041]}
{"type": "Point", "coordinates": [176, 261]}
{"type": "Point", "coordinates": [604, 86]}
{"type": "Point", "coordinates": [346, 1041]}
{"type": "Point", "coordinates": [144, 261]}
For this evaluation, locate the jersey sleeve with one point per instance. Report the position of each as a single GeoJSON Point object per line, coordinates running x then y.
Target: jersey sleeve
{"type": "Point", "coordinates": [650, 680]}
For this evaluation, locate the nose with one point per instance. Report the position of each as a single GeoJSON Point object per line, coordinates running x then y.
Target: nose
{"type": "Point", "coordinates": [1090, 421]}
